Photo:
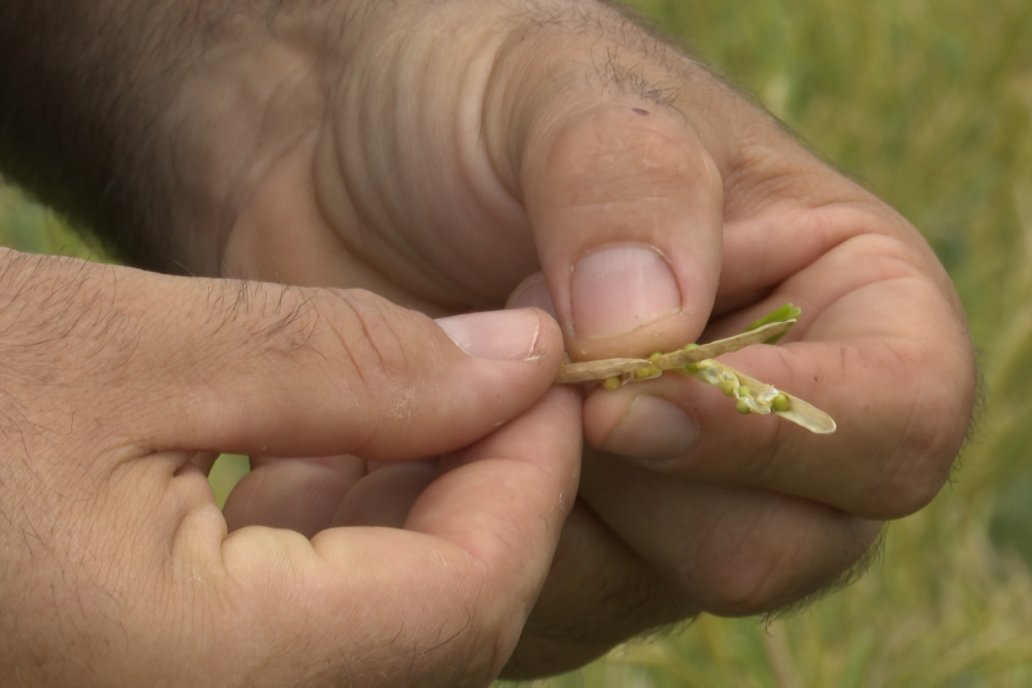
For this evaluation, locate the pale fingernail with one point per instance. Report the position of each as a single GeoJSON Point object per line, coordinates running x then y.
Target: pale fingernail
{"type": "Point", "coordinates": [652, 428]}
{"type": "Point", "coordinates": [533, 293]}
{"type": "Point", "coordinates": [621, 288]}
{"type": "Point", "coordinates": [510, 335]}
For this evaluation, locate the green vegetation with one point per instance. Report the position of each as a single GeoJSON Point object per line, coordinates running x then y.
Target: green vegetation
{"type": "Point", "coordinates": [27, 226]}
{"type": "Point", "coordinates": [929, 103]}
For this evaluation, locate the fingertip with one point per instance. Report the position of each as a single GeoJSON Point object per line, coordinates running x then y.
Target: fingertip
{"type": "Point", "coordinates": [617, 289]}
{"type": "Point", "coordinates": [634, 299]}
{"type": "Point", "coordinates": [521, 334]}
{"type": "Point", "coordinates": [551, 343]}
{"type": "Point", "coordinates": [628, 221]}
{"type": "Point", "coordinates": [672, 331]}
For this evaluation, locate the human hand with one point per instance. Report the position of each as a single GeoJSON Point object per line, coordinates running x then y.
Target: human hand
{"type": "Point", "coordinates": [443, 154]}
{"type": "Point", "coordinates": [535, 145]}
{"type": "Point", "coordinates": [115, 564]}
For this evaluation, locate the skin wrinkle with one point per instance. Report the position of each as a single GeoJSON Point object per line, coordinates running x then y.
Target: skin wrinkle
{"type": "Point", "coordinates": [747, 599]}
{"type": "Point", "coordinates": [408, 56]}
{"type": "Point", "coordinates": [477, 172]}
{"type": "Point", "coordinates": [366, 231]}
{"type": "Point", "coordinates": [484, 203]}
{"type": "Point", "coordinates": [12, 425]}
{"type": "Point", "coordinates": [363, 367]}
{"type": "Point", "coordinates": [784, 450]}
{"type": "Point", "coordinates": [750, 581]}
{"type": "Point", "coordinates": [907, 477]}
{"type": "Point", "coordinates": [494, 80]}
{"type": "Point", "coordinates": [899, 471]}
{"type": "Point", "coordinates": [353, 241]}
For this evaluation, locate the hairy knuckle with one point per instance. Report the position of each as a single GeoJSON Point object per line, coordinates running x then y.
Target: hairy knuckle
{"type": "Point", "coordinates": [372, 337]}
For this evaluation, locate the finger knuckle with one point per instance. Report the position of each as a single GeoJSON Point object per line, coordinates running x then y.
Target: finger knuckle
{"type": "Point", "coordinates": [919, 466]}
{"type": "Point", "coordinates": [768, 569]}
{"type": "Point", "coordinates": [931, 436]}
{"type": "Point", "coordinates": [741, 583]}
{"type": "Point", "coordinates": [371, 339]}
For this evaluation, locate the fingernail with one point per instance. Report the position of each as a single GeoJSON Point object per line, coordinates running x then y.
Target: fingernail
{"type": "Point", "coordinates": [510, 335]}
{"type": "Point", "coordinates": [620, 288]}
{"type": "Point", "coordinates": [652, 428]}
{"type": "Point", "coordinates": [533, 293]}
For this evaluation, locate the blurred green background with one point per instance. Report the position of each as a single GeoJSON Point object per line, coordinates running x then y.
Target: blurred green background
{"type": "Point", "coordinates": [929, 103]}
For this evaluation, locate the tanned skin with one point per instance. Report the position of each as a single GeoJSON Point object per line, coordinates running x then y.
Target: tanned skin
{"type": "Point", "coordinates": [393, 161]}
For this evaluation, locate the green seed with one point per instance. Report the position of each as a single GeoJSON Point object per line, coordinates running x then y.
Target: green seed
{"type": "Point", "coordinates": [781, 403]}
{"type": "Point", "coordinates": [647, 373]}
{"type": "Point", "coordinates": [611, 383]}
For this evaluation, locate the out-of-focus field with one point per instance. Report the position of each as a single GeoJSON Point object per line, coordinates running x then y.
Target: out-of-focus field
{"type": "Point", "coordinates": [928, 102]}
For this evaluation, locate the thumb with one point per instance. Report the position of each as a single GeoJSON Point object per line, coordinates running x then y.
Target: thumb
{"type": "Point", "coordinates": [255, 368]}
{"type": "Point", "coordinates": [626, 209]}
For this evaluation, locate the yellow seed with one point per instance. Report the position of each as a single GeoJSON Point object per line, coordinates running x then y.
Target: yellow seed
{"type": "Point", "coordinates": [611, 383]}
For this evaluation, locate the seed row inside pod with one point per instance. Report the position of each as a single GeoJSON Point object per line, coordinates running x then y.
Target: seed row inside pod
{"type": "Point", "coordinates": [750, 395]}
